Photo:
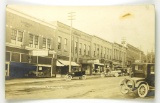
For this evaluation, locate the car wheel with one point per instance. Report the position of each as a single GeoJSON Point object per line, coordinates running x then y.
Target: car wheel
{"type": "Point", "coordinates": [123, 89]}
{"type": "Point", "coordinates": [68, 77]}
{"type": "Point", "coordinates": [83, 77]}
{"type": "Point", "coordinates": [143, 90]}
{"type": "Point", "coordinates": [116, 74]}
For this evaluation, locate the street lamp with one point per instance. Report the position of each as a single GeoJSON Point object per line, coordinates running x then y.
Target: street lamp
{"type": "Point", "coordinates": [70, 17]}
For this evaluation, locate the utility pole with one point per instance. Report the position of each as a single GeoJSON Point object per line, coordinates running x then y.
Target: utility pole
{"type": "Point", "coordinates": [70, 17]}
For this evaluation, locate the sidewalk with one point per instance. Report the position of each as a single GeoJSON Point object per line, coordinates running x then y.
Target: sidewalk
{"type": "Point", "coordinates": [34, 80]}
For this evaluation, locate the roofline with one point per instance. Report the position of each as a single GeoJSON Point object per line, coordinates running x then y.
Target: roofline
{"type": "Point", "coordinates": [30, 17]}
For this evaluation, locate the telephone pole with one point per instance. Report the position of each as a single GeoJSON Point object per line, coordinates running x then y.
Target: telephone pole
{"type": "Point", "coordinates": [70, 17]}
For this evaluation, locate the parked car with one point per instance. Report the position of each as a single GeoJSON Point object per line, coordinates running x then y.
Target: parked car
{"type": "Point", "coordinates": [80, 74]}
{"type": "Point", "coordinates": [142, 79]}
{"type": "Point", "coordinates": [115, 73]}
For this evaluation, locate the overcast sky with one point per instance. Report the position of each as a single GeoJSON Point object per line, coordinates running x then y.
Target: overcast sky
{"type": "Point", "coordinates": [112, 23]}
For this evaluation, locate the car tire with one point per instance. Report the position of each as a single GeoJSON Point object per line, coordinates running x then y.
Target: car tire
{"type": "Point", "coordinates": [143, 90]}
{"type": "Point", "coordinates": [68, 77]}
{"type": "Point", "coordinates": [83, 77]}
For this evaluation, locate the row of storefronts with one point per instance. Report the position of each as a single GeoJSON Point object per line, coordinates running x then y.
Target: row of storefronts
{"type": "Point", "coordinates": [35, 48]}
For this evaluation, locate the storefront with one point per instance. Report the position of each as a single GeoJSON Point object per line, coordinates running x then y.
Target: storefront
{"type": "Point", "coordinates": [21, 64]}
{"type": "Point", "coordinates": [62, 67]}
{"type": "Point", "coordinates": [92, 66]}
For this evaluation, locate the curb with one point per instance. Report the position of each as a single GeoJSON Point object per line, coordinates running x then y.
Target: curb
{"type": "Point", "coordinates": [37, 81]}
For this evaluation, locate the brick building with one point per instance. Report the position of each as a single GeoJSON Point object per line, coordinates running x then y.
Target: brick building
{"type": "Point", "coordinates": [23, 36]}
{"type": "Point", "coordinates": [119, 55]}
{"type": "Point", "coordinates": [37, 48]}
{"type": "Point", "coordinates": [133, 54]}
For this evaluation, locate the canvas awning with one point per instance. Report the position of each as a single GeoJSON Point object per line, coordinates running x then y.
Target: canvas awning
{"type": "Point", "coordinates": [59, 64]}
{"type": "Point", "coordinates": [116, 63]}
{"type": "Point", "coordinates": [66, 63]}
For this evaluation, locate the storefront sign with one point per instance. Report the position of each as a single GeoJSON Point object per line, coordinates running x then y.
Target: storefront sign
{"type": "Point", "coordinates": [91, 61]}
{"type": "Point", "coordinates": [39, 52]}
{"type": "Point", "coordinates": [51, 52]}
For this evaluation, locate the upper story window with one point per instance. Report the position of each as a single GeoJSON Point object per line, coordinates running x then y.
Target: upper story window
{"type": "Point", "coordinates": [88, 50]}
{"type": "Point", "coordinates": [65, 44]}
{"type": "Point", "coordinates": [80, 48]}
{"type": "Point", "coordinates": [16, 37]}
{"type": "Point", "coordinates": [101, 51]}
{"type": "Point", "coordinates": [13, 34]}
{"type": "Point", "coordinates": [104, 52]}
{"type": "Point", "coordinates": [33, 41]}
{"type": "Point", "coordinates": [84, 49]}
{"type": "Point", "coordinates": [20, 36]}
{"type": "Point", "coordinates": [97, 50]}
{"type": "Point", "coordinates": [59, 42]}
{"type": "Point", "coordinates": [46, 43]}
{"type": "Point", "coordinates": [75, 46]}
{"type": "Point", "coordinates": [94, 53]}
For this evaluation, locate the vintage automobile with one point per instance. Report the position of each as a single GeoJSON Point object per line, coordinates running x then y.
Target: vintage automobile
{"type": "Point", "coordinates": [142, 79]}
{"type": "Point", "coordinates": [79, 74]}
{"type": "Point", "coordinates": [115, 73]}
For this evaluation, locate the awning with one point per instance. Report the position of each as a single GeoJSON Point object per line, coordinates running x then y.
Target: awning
{"type": "Point", "coordinates": [99, 64]}
{"type": "Point", "coordinates": [116, 63]}
{"type": "Point", "coordinates": [59, 64]}
{"type": "Point", "coordinates": [44, 65]}
{"type": "Point", "coordinates": [66, 63]}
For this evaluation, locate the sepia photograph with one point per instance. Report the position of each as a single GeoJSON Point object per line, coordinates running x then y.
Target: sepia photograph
{"type": "Point", "coordinates": [80, 52]}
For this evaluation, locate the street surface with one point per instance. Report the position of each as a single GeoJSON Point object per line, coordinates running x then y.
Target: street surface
{"type": "Point", "coordinates": [94, 88]}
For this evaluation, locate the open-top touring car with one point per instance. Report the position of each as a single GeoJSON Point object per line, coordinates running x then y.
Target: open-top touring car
{"type": "Point", "coordinates": [80, 74]}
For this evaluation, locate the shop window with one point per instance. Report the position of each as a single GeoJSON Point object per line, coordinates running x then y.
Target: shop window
{"type": "Point", "coordinates": [8, 56]}
{"type": "Point", "coordinates": [15, 57]}
{"type": "Point", "coordinates": [24, 58]}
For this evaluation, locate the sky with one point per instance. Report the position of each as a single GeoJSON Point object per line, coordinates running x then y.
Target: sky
{"type": "Point", "coordinates": [135, 23]}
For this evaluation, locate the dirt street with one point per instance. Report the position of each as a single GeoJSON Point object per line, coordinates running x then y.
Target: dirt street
{"type": "Point", "coordinates": [100, 88]}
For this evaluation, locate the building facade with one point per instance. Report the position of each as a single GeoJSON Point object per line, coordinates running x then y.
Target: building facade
{"type": "Point", "coordinates": [25, 42]}
{"type": "Point", "coordinates": [134, 54]}
{"type": "Point", "coordinates": [35, 48]}
{"type": "Point", "coordinates": [119, 55]}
